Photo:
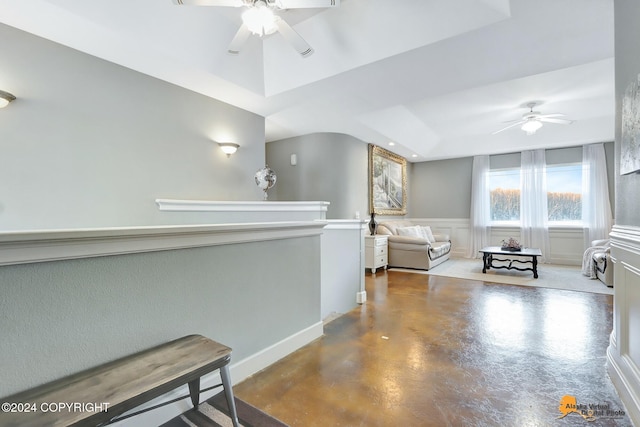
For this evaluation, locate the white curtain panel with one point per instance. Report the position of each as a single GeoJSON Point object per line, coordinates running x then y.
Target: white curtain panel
{"type": "Point", "coordinates": [534, 229]}
{"type": "Point", "coordinates": [479, 217]}
{"type": "Point", "coordinates": [596, 208]}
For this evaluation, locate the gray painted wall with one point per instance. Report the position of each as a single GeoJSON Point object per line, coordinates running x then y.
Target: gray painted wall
{"type": "Point", "coordinates": [441, 189]}
{"type": "Point", "coordinates": [90, 144]}
{"type": "Point", "coordinates": [61, 317]}
{"type": "Point", "coordinates": [627, 34]}
{"type": "Point", "coordinates": [451, 197]}
{"type": "Point", "coordinates": [345, 159]}
{"type": "Point", "coordinates": [331, 167]}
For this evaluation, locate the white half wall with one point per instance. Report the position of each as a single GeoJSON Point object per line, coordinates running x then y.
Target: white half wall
{"type": "Point", "coordinates": [75, 299]}
{"type": "Point", "coordinates": [342, 266]}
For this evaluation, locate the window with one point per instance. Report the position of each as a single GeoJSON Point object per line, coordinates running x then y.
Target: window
{"type": "Point", "coordinates": [564, 194]}
{"type": "Point", "coordinates": [504, 188]}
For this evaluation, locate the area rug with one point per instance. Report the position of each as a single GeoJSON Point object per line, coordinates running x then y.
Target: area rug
{"type": "Point", "coordinates": [215, 413]}
{"type": "Point", "coordinates": [549, 275]}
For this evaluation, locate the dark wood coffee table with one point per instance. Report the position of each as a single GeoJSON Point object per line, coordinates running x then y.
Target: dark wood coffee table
{"type": "Point", "coordinates": [490, 252]}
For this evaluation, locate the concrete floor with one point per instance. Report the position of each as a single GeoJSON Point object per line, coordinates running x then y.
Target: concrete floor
{"type": "Point", "coordinates": [436, 351]}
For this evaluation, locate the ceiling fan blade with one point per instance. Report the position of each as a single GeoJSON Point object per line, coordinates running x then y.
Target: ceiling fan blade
{"type": "Point", "coordinates": [294, 39]}
{"type": "Point", "coordinates": [558, 121]}
{"type": "Point", "coordinates": [552, 115]}
{"type": "Point", "coordinates": [229, 3]}
{"type": "Point", "coordinates": [239, 40]}
{"type": "Point", "coordinates": [518, 123]}
{"type": "Point", "coordinates": [304, 4]}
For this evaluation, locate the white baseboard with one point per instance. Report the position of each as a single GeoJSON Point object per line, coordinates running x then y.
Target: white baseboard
{"type": "Point", "coordinates": [239, 372]}
{"type": "Point", "coordinates": [258, 361]}
{"type": "Point", "coordinates": [622, 377]}
{"type": "Point", "coordinates": [361, 297]}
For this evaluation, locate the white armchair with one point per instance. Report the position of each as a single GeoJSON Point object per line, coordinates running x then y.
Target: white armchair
{"type": "Point", "coordinates": [596, 262]}
{"type": "Point", "coordinates": [602, 262]}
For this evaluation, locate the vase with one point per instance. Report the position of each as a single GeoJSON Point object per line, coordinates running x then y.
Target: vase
{"type": "Point", "coordinates": [265, 179]}
{"type": "Point", "coordinates": [373, 225]}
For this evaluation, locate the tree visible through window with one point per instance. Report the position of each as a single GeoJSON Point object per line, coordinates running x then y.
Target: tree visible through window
{"type": "Point", "coordinates": [564, 193]}
{"type": "Point", "coordinates": [504, 187]}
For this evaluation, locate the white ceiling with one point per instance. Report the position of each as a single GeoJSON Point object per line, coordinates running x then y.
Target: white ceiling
{"type": "Point", "coordinates": [436, 77]}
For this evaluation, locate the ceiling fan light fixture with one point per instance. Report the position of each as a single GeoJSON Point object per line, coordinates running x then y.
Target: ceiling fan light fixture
{"type": "Point", "coordinates": [260, 19]}
{"type": "Point", "coordinates": [531, 126]}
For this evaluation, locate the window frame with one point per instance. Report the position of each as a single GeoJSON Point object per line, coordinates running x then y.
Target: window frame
{"type": "Point", "coordinates": [572, 224]}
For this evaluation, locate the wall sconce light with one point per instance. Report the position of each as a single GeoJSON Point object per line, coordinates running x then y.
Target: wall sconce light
{"type": "Point", "coordinates": [5, 98]}
{"type": "Point", "coordinates": [228, 148]}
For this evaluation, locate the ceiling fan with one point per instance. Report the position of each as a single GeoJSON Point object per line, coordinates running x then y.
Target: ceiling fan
{"type": "Point", "coordinates": [260, 19]}
{"type": "Point", "coordinates": [532, 120]}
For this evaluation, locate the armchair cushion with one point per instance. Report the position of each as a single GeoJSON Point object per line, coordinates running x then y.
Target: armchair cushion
{"type": "Point", "coordinates": [419, 231]}
{"type": "Point", "coordinates": [427, 231]}
{"type": "Point", "coordinates": [413, 231]}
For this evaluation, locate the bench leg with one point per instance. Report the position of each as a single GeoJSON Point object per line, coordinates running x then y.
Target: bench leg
{"type": "Point", "coordinates": [228, 392]}
{"type": "Point", "coordinates": [194, 392]}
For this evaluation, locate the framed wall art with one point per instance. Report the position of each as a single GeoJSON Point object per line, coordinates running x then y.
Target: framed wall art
{"type": "Point", "coordinates": [630, 144]}
{"type": "Point", "coordinates": [387, 182]}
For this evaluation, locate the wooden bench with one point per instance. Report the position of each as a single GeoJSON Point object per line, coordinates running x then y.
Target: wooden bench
{"type": "Point", "coordinates": [122, 385]}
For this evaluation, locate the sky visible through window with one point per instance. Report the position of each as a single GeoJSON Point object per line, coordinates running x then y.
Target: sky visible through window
{"type": "Point", "coordinates": [565, 178]}
{"type": "Point", "coordinates": [505, 179]}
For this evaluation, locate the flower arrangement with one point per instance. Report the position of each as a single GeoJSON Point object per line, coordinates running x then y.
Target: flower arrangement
{"type": "Point", "coordinates": [511, 245]}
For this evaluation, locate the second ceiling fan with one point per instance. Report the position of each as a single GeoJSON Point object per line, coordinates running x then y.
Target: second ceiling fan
{"type": "Point", "coordinates": [260, 19]}
{"type": "Point", "coordinates": [532, 120]}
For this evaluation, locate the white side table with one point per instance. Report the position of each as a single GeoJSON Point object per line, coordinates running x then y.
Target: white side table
{"type": "Point", "coordinates": [375, 252]}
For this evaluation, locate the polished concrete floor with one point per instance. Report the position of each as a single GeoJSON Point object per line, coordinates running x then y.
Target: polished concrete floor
{"type": "Point", "coordinates": [436, 351]}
